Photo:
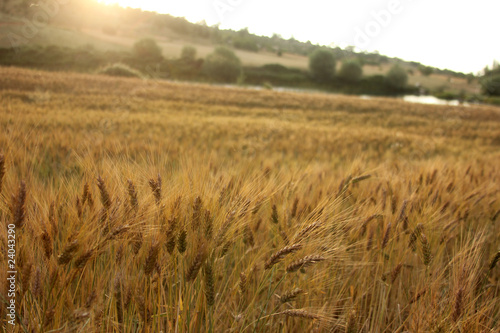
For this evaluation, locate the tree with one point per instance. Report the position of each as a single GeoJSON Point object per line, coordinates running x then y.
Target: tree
{"type": "Point", "coordinates": [426, 70]}
{"type": "Point", "coordinates": [351, 71]}
{"type": "Point", "coordinates": [490, 85]}
{"type": "Point", "coordinates": [222, 65]}
{"type": "Point", "coordinates": [397, 78]}
{"type": "Point", "coordinates": [146, 50]}
{"type": "Point", "coordinates": [322, 65]}
{"type": "Point", "coordinates": [188, 53]}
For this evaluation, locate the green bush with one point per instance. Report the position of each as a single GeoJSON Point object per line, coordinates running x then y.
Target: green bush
{"type": "Point", "coordinates": [351, 71]}
{"type": "Point", "coordinates": [277, 75]}
{"type": "Point", "coordinates": [397, 78]}
{"type": "Point", "coordinates": [322, 65]}
{"type": "Point", "coordinates": [147, 51]}
{"type": "Point", "coordinates": [119, 69]}
{"type": "Point", "coordinates": [491, 85]}
{"type": "Point", "coordinates": [426, 70]}
{"type": "Point", "coordinates": [492, 100]}
{"type": "Point", "coordinates": [276, 68]}
{"type": "Point", "coordinates": [246, 43]}
{"type": "Point", "coordinates": [447, 95]}
{"type": "Point", "coordinates": [222, 65]}
{"type": "Point", "coordinates": [188, 53]}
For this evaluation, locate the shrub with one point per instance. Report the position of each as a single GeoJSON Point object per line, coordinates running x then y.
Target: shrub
{"type": "Point", "coordinates": [246, 43]}
{"type": "Point", "coordinates": [222, 65]}
{"type": "Point", "coordinates": [494, 101]}
{"type": "Point", "coordinates": [397, 78]}
{"type": "Point", "coordinates": [188, 53]}
{"type": "Point", "coordinates": [146, 50]}
{"type": "Point", "coordinates": [491, 85]}
{"type": "Point", "coordinates": [119, 69]}
{"type": "Point", "coordinates": [275, 68]}
{"type": "Point", "coordinates": [426, 70]}
{"type": "Point", "coordinates": [447, 95]}
{"type": "Point", "coordinates": [322, 65]}
{"type": "Point", "coordinates": [277, 75]}
{"type": "Point", "coordinates": [351, 71]}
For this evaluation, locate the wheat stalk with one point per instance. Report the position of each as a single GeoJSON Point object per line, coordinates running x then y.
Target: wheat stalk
{"type": "Point", "coordinates": [68, 252]}
{"type": "Point", "coordinates": [2, 170]}
{"type": "Point", "coordinates": [208, 225]}
{"type": "Point", "coordinates": [494, 260]}
{"type": "Point", "coordinates": [221, 234]}
{"type": "Point", "coordinates": [26, 276]}
{"type": "Point", "coordinates": [182, 241]}
{"type": "Point", "coordinates": [306, 230]}
{"type": "Point", "coordinates": [293, 213]}
{"type": "Point", "coordinates": [105, 198]}
{"type": "Point", "coordinates": [172, 223]}
{"type": "Point", "coordinates": [197, 212]}
{"type": "Point", "coordinates": [156, 188]}
{"type": "Point", "coordinates": [85, 194]}
{"type": "Point", "coordinates": [209, 284]}
{"type": "Point", "coordinates": [242, 285]}
{"type": "Point", "coordinates": [414, 236]}
{"type": "Point", "coordinates": [426, 250]}
{"type": "Point", "coordinates": [274, 215]}
{"type": "Point", "coordinates": [151, 258]}
{"type": "Point", "coordinates": [83, 258]}
{"type": "Point", "coordinates": [290, 295]}
{"type": "Point", "coordinates": [278, 256]}
{"type": "Point", "coordinates": [387, 235]}
{"type": "Point", "coordinates": [458, 306]}
{"type": "Point", "coordinates": [351, 324]}
{"type": "Point", "coordinates": [18, 206]}
{"type": "Point", "coordinates": [299, 314]}
{"type": "Point", "coordinates": [118, 298]}
{"type": "Point", "coordinates": [304, 262]}
{"type": "Point", "coordinates": [132, 195]}
{"type": "Point", "coordinates": [47, 244]}
{"type": "Point", "coordinates": [417, 296]}
{"type": "Point", "coordinates": [360, 178]}
{"type": "Point", "coordinates": [395, 272]}
{"type": "Point", "coordinates": [195, 266]}
{"type": "Point", "coordinates": [37, 283]}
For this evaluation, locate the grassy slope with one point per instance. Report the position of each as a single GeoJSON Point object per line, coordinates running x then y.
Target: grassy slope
{"type": "Point", "coordinates": [233, 154]}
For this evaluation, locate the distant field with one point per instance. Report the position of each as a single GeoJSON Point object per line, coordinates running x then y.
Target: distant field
{"type": "Point", "coordinates": [149, 206]}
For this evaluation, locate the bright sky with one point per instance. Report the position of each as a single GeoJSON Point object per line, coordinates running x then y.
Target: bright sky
{"type": "Point", "coordinates": [458, 35]}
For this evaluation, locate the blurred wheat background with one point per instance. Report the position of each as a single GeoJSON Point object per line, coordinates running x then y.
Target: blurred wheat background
{"type": "Point", "coordinates": [146, 206]}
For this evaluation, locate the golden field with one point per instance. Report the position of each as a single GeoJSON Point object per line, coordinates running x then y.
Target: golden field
{"type": "Point", "coordinates": [150, 206]}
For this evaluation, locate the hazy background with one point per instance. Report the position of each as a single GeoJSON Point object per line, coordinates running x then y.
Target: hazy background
{"type": "Point", "coordinates": [445, 34]}
{"type": "Point", "coordinates": [389, 47]}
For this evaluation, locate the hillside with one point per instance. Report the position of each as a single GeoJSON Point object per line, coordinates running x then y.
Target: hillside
{"type": "Point", "coordinates": [111, 31]}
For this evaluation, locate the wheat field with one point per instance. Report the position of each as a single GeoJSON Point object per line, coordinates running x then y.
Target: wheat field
{"type": "Point", "coordinates": [148, 206]}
